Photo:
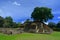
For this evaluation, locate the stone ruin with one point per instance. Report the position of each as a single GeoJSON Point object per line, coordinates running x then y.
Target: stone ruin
{"type": "Point", "coordinates": [32, 27]}
{"type": "Point", "coordinates": [37, 27]}
{"type": "Point", "coordinates": [11, 30]}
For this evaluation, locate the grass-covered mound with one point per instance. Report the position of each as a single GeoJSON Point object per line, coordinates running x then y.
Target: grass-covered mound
{"type": "Point", "coordinates": [31, 36]}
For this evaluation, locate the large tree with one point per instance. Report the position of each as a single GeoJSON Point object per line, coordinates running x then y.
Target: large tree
{"type": "Point", "coordinates": [41, 14]}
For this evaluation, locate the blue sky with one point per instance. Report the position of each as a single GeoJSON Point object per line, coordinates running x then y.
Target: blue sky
{"type": "Point", "coordinates": [21, 10]}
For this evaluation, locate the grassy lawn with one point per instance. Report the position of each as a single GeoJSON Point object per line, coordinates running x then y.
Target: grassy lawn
{"type": "Point", "coordinates": [31, 36]}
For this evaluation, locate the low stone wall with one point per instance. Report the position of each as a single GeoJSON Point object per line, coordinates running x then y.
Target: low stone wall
{"type": "Point", "coordinates": [11, 30]}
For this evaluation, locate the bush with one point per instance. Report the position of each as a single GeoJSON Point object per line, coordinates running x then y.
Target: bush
{"type": "Point", "coordinates": [56, 29]}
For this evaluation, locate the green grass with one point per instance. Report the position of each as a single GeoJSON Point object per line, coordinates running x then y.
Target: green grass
{"type": "Point", "coordinates": [31, 36]}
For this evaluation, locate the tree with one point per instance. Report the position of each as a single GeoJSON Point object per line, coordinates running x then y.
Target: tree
{"type": "Point", "coordinates": [1, 21]}
{"type": "Point", "coordinates": [14, 25]}
{"type": "Point", "coordinates": [58, 24]}
{"type": "Point", "coordinates": [52, 25]}
{"type": "Point", "coordinates": [27, 21]}
{"type": "Point", "coordinates": [41, 14]}
{"type": "Point", "coordinates": [18, 24]}
{"type": "Point", "coordinates": [8, 22]}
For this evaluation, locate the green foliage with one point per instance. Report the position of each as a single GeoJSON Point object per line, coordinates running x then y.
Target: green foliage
{"type": "Point", "coordinates": [14, 25]}
{"type": "Point", "coordinates": [8, 22]}
{"type": "Point", "coordinates": [52, 25]}
{"type": "Point", "coordinates": [41, 14]}
{"type": "Point", "coordinates": [1, 21]}
{"type": "Point", "coordinates": [27, 21]}
{"type": "Point", "coordinates": [18, 24]}
{"type": "Point", "coordinates": [58, 24]}
{"type": "Point", "coordinates": [55, 27]}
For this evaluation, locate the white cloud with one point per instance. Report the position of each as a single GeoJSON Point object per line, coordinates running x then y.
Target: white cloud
{"type": "Point", "coordinates": [22, 22]}
{"type": "Point", "coordinates": [59, 17]}
{"type": "Point", "coordinates": [16, 3]}
{"type": "Point", "coordinates": [46, 23]}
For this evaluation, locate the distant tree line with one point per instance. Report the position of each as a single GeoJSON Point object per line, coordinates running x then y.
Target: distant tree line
{"type": "Point", "coordinates": [54, 26]}
{"type": "Point", "coordinates": [7, 22]}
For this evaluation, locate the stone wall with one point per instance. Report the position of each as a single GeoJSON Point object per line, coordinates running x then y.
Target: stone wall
{"type": "Point", "coordinates": [11, 30]}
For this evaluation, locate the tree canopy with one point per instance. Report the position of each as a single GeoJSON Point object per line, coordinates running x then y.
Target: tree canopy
{"type": "Point", "coordinates": [41, 14]}
{"type": "Point", "coordinates": [8, 22]}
